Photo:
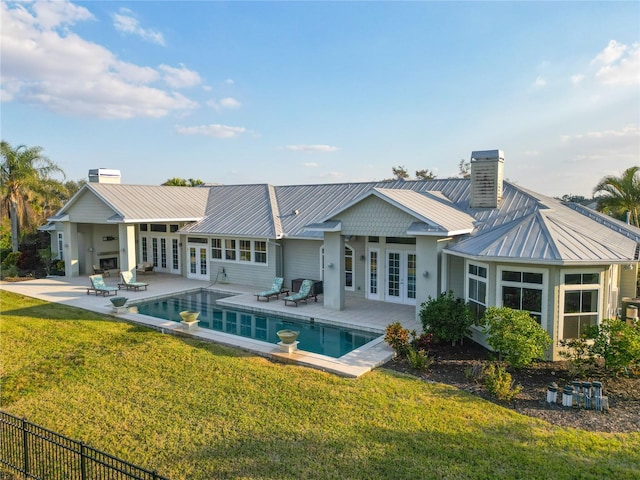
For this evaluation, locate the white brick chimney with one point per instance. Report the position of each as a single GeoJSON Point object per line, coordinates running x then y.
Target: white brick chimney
{"type": "Point", "coordinates": [104, 175]}
{"type": "Point", "coordinates": [486, 178]}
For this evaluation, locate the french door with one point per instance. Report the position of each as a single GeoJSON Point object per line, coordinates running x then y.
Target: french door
{"type": "Point", "coordinates": [401, 277]}
{"type": "Point", "coordinates": [163, 252]}
{"type": "Point", "coordinates": [198, 261]}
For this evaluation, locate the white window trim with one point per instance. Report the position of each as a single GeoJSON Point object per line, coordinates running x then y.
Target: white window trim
{"type": "Point", "coordinates": [353, 267]}
{"type": "Point", "coordinates": [587, 286]}
{"type": "Point", "coordinates": [223, 249]}
{"type": "Point", "coordinates": [522, 268]}
{"type": "Point", "coordinates": [468, 275]}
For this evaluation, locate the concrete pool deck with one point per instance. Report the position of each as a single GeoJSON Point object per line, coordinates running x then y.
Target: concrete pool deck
{"type": "Point", "coordinates": [362, 314]}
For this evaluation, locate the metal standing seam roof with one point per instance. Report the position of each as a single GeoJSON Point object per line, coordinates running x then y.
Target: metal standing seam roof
{"type": "Point", "coordinates": [549, 236]}
{"type": "Point", "coordinates": [242, 210]}
{"type": "Point", "coordinates": [135, 203]}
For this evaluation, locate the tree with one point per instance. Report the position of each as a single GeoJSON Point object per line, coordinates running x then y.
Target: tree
{"type": "Point", "coordinates": [25, 181]}
{"type": "Point", "coordinates": [400, 172]}
{"type": "Point", "coordinates": [425, 174]}
{"type": "Point", "coordinates": [181, 182]}
{"type": "Point", "coordinates": [464, 168]}
{"type": "Point", "coordinates": [620, 195]}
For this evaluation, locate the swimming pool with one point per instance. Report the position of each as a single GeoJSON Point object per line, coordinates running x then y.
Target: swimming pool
{"type": "Point", "coordinates": [314, 337]}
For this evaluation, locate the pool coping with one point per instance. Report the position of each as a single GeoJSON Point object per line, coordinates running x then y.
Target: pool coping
{"type": "Point", "coordinates": [353, 364]}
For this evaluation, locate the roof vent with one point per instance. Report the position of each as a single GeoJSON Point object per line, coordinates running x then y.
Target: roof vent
{"type": "Point", "coordinates": [104, 175]}
{"type": "Point", "coordinates": [486, 178]}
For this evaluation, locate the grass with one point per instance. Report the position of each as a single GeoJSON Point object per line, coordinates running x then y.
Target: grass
{"type": "Point", "coordinates": [196, 410]}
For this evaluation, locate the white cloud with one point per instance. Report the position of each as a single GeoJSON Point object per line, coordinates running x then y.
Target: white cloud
{"type": "Point", "coordinates": [228, 103]}
{"type": "Point", "coordinates": [612, 52]}
{"type": "Point", "coordinates": [229, 81]}
{"type": "Point", "coordinates": [69, 75]}
{"type": "Point", "coordinates": [125, 22]}
{"type": "Point", "coordinates": [310, 164]}
{"type": "Point", "coordinates": [214, 130]}
{"type": "Point", "coordinates": [576, 79]}
{"type": "Point", "coordinates": [540, 82]}
{"type": "Point", "coordinates": [311, 148]}
{"type": "Point", "coordinates": [620, 64]}
{"type": "Point", "coordinates": [180, 77]}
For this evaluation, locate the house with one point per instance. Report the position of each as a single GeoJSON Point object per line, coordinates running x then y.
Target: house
{"type": "Point", "coordinates": [491, 242]}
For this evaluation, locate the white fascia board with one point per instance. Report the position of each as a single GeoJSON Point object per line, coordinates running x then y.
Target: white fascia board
{"type": "Point", "coordinates": [156, 220]}
{"type": "Point", "coordinates": [534, 261]}
{"type": "Point", "coordinates": [55, 218]}
{"type": "Point", "coordinates": [439, 234]}
{"type": "Point", "coordinates": [315, 227]}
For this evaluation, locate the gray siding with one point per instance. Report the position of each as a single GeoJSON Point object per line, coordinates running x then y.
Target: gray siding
{"type": "Point", "coordinates": [89, 209]}
{"type": "Point", "coordinates": [374, 216]}
{"type": "Point", "coordinates": [251, 274]}
{"type": "Point", "coordinates": [301, 259]}
{"type": "Point", "coordinates": [456, 275]}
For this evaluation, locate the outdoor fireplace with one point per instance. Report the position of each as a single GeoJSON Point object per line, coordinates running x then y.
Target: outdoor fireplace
{"type": "Point", "coordinates": [109, 263]}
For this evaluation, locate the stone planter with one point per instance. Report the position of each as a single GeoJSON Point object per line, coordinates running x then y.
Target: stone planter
{"type": "Point", "coordinates": [118, 301]}
{"type": "Point", "coordinates": [287, 336]}
{"type": "Point", "coordinates": [189, 316]}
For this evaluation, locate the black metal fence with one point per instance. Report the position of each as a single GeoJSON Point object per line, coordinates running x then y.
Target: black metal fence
{"type": "Point", "coordinates": [41, 454]}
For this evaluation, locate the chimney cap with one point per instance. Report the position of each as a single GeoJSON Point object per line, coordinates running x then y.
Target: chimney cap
{"type": "Point", "coordinates": [487, 155]}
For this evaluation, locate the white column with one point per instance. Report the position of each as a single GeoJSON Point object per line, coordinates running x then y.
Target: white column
{"type": "Point", "coordinates": [426, 270]}
{"type": "Point", "coordinates": [70, 245]}
{"type": "Point", "coordinates": [127, 245]}
{"type": "Point", "coordinates": [333, 271]}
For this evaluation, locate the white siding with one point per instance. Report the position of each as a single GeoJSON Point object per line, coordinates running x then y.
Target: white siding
{"type": "Point", "coordinates": [456, 275]}
{"type": "Point", "coordinates": [251, 274]}
{"type": "Point", "coordinates": [89, 209]}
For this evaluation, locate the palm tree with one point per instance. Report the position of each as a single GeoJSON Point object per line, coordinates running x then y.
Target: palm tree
{"type": "Point", "coordinates": [181, 182]}
{"type": "Point", "coordinates": [24, 181]}
{"type": "Point", "coordinates": [621, 195]}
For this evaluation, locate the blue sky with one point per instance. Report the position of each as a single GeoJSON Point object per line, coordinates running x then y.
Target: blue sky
{"type": "Point", "coordinates": [317, 92]}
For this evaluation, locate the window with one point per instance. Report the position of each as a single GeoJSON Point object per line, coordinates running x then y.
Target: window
{"type": "Point", "coordinates": [260, 254]}
{"type": "Point", "coordinates": [523, 290]}
{"type": "Point", "coordinates": [158, 227]}
{"type": "Point", "coordinates": [580, 303]}
{"type": "Point", "coordinates": [60, 246]}
{"type": "Point", "coordinates": [477, 288]}
{"type": "Point", "coordinates": [230, 249]}
{"type": "Point", "coordinates": [175, 254]}
{"type": "Point", "coordinates": [245, 250]}
{"type": "Point", "coordinates": [216, 248]}
{"type": "Point", "coordinates": [143, 227]}
{"type": "Point", "coordinates": [348, 266]}
{"type": "Point", "coordinates": [145, 249]}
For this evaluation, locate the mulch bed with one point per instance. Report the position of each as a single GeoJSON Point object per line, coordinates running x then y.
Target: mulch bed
{"type": "Point", "coordinates": [450, 364]}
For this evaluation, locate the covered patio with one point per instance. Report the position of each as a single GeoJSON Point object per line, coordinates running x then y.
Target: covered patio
{"type": "Point", "coordinates": [362, 314]}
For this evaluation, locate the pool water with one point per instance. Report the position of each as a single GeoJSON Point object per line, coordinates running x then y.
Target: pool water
{"type": "Point", "coordinates": [314, 337]}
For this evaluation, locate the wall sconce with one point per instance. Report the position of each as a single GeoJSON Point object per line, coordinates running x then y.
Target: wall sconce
{"type": "Point", "coordinates": [90, 249]}
{"type": "Point", "coordinates": [124, 250]}
{"type": "Point", "coordinates": [425, 274]}
{"type": "Point", "coordinates": [66, 245]}
{"type": "Point", "coordinates": [362, 258]}
{"type": "Point", "coordinates": [180, 244]}
{"type": "Point", "coordinates": [330, 265]}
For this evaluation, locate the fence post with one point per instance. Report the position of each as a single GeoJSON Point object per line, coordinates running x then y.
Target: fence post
{"type": "Point", "coordinates": [25, 447]}
{"type": "Point", "coordinates": [83, 463]}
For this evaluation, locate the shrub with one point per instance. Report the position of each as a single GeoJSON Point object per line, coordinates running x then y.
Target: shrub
{"type": "Point", "coordinates": [398, 338]}
{"type": "Point", "coordinates": [476, 372]}
{"type": "Point", "coordinates": [618, 344]}
{"type": "Point", "coordinates": [446, 317]}
{"type": "Point", "coordinates": [422, 342]}
{"type": "Point", "coordinates": [499, 383]}
{"type": "Point", "coordinates": [515, 335]}
{"type": "Point", "coordinates": [418, 359]}
{"type": "Point", "coordinates": [10, 259]}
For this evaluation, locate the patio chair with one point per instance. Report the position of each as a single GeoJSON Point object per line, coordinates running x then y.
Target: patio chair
{"type": "Point", "coordinates": [275, 291]}
{"type": "Point", "coordinates": [303, 295]}
{"type": "Point", "coordinates": [99, 287]}
{"type": "Point", "coordinates": [144, 268]}
{"type": "Point", "coordinates": [129, 281]}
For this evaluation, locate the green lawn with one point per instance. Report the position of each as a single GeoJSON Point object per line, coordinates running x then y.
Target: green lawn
{"type": "Point", "coordinates": [195, 410]}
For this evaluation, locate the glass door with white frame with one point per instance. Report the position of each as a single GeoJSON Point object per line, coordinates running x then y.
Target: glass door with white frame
{"type": "Point", "coordinates": [401, 277]}
{"type": "Point", "coordinates": [198, 259]}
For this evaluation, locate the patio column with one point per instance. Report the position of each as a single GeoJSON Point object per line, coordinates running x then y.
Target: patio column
{"type": "Point", "coordinates": [70, 246]}
{"type": "Point", "coordinates": [426, 270]}
{"type": "Point", "coordinates": [127, 244]}
{"type": "Point", "coordinates": [333, 271]}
